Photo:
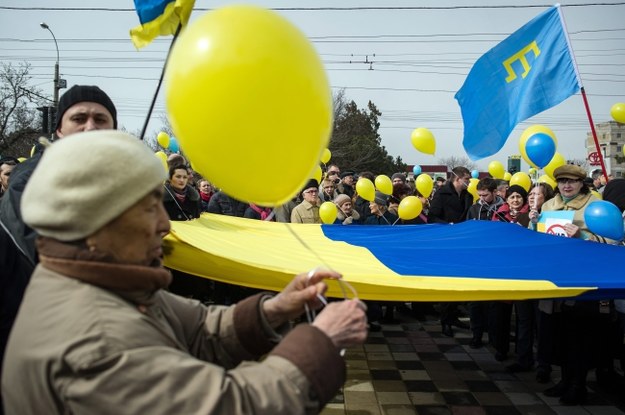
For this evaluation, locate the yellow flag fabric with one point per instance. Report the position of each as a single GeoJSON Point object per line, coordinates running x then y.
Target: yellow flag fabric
{"type": "Point", "coordinates": [159, 18]}
{"type": "Point", "coordinates": [266, 255]}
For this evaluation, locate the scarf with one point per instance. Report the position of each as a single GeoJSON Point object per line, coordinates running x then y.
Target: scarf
{"type": "Point", "coordinates": [135, 283]}
{"type": "Point", "coordinates": [180, 197]}
{"type": "Point", "coordinates": [206, 197]}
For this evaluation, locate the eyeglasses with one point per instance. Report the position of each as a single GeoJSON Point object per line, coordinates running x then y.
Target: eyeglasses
{"type": "Point", "coordinates": [568, 181]}
{"type": "Point", "coordinates": [311, 191]}
{"type": "Point", "coordinates": [332, 173]}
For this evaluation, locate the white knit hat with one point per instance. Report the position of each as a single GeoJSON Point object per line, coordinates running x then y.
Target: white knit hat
{"type": "Point", "coordinates": [86, 180]}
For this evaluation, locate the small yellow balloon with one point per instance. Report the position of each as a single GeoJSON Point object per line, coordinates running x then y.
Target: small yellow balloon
{"type": "Point", "coordinates": [263, 84]}
{"type": "Point", "coordinates": [522, 179]}
{"type": "Point", "coordinates": [317, 174]}
{"type": "Point", "coordinates": [32, 151]}
{"type": "Point", "coordinates": [384, 184]}
{"type": "Point", "coordinates": [597, 194]}
{"type": "Point", "coordinates": [495, 168]}
{"type": "Point", "coordinates": [424, 184]}
{"type": "Point", "coordinates": [163, 139]}
{"type": "Point", "coordinates": [409, 208]}
{"type": "Point", "coordinates": [557, 161]}
{"type": "Point", "coordinates": [327, 212]}
{"type": "Point", "coordinates": [21, 159]}
{"type": "Point", "coordinates": [163, 158]}
{"type": "Point", "coordinates": [618, 112]}
{"type": "Point", "coordinates": [472, 189]}
{"type": "Point", "coordinates": [365, 189]}
{"type": "Point", "coordinates": [423, 140]}
{"type": "Point", "coordinates": [507, 176]}
{"type": "Point", "coordinates": [530, 131]}
{"type": "Point", "coordinates": [532, 171]}
{"type": "Point", "coordinates": [548, 180]}
{"type": "Point", "coordinates": [326, 156]}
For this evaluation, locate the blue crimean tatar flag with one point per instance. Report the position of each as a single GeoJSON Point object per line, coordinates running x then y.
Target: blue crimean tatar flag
{"type": "Point", "coordinates": [530, 71]}
{"type": "Point", "coordinates": [159, 18]}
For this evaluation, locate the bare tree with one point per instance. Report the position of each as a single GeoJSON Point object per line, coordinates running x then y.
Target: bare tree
{"type": "Point", "coordinates": [19, 121]}
{"type": "Point", "coordinates": [454, 161]}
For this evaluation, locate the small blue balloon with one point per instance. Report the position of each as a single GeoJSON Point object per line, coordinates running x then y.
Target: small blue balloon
{"type": "Point", "coordinates": [540, 149]}
{"type": "Point", "coordinates": [416, 170]}
{"type": "Point", "coordinates": [605, 219]}
{"type": "Point", "coordinates": [173, 145]}
{"type": "Point", "coordinates": [475, 174]}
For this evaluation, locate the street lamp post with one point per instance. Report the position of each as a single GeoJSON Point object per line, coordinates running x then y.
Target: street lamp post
{"type": "Point", "coordinates": [56, 66]}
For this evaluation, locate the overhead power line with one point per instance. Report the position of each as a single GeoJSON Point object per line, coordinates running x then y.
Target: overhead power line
{"type": "Point", "coordinates": [355, 8]}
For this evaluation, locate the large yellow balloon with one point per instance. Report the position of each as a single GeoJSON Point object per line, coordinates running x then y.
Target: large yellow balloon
{"type": "Point", "coordinates": [522, 179]}
{"type": "Point", "coordinates": [530, 131]}
{"type": "Point", "coordinates": [325, 156]}
{"type": "Point", "coordinates": [409, 208]}
{"type": "Point", "coordinates": [548, 180]}
{"type": "Point", "coordinates": [507, 176]}
{"type": "Point", "coordinates": [557, 161]}
{"type": "Point", "coordinates": [618, 112]}
{"type": "Point", "coordinates": [423, 140]}
{"type": "Point", "coordinates": [327, 212]}
{"type": "Point", "coordinates": [424, 184]}
{"type": "Point", "coordinates": [472, 189]}
{"type": "Point", "coordinates": [245, 87]}
{"type": "Point", "coordinates": [365, 189]}
{"type": "Point", "coordinates": [163, 158]}
{"type": "Point", "coordinates": [384, 184]}
{"type": "Point", "coordinates": [496, 169]}
{"type": "Point", "coordinates": [317, 174]}
{"type": "Point", "coordinates": [163, 139]}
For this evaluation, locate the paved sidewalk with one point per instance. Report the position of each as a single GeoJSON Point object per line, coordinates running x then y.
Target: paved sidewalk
{"type": "Point", "coordinates": [411, 368]}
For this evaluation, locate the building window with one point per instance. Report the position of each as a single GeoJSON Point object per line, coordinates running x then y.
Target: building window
{"type": "Point", "coordinates": [618, 135]}
{"type": "Point", "coordinates": [619, 149]}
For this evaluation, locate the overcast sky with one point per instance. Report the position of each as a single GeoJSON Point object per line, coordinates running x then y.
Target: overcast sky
{"type": "Point", "coordinates": [408, 57]}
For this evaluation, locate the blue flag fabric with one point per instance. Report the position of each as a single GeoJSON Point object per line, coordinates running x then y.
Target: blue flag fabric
{"type": "Point", "coordinates": [159, 18]}
{"type": "Point", "coordinates": [530, 71]}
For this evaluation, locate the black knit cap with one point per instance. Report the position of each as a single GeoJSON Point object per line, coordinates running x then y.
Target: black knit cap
{"type": "Point", "coordinates": [84, 93]}
{"type": "Point", "coordinates": [517, 189]}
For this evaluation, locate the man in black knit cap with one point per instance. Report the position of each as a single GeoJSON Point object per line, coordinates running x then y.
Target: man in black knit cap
{"type": "Point", "coordinates": [81, 108]}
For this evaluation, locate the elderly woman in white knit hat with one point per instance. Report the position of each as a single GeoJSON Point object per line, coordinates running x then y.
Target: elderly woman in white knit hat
{"type": "Point", "coordinates": [98, 333]}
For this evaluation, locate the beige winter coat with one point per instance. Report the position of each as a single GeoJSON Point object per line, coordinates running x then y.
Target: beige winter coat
{"type": "Point", "coordinates": [78, 347]}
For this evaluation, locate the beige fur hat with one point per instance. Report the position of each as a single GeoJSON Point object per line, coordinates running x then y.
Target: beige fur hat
{"type": "Point", "coordinates": [86, 180]}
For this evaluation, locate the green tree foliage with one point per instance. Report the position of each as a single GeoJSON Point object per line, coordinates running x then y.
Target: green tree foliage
{"type": "Point", "coordinates": [356, 142]}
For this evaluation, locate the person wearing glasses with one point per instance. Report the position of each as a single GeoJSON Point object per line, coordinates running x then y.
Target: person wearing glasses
{"type": "Point", "coordinates": [334, 173]}
{"type": "Point", "coordinates": [308, 210]}
{"type": "Point", "coordinates": [578, 333]}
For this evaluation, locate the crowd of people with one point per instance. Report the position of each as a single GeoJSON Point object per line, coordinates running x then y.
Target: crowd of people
{"type": "Point", "coordinates": [99, 314]}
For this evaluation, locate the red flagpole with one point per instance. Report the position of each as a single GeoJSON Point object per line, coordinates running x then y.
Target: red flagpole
{"type": "Point", "coordinates": [594, 133]}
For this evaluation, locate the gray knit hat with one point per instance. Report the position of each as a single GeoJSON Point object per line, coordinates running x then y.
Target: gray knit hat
{"type": "Point", "coordinates": [86, 180]}
{"type": "Point", "coordinates": [381, 198]}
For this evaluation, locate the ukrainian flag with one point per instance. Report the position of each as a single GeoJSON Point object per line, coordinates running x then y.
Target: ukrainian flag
{"type": "Point", "coordinates": [469, 261]}
{"type": "Point", "coordinates": [159, 18]}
